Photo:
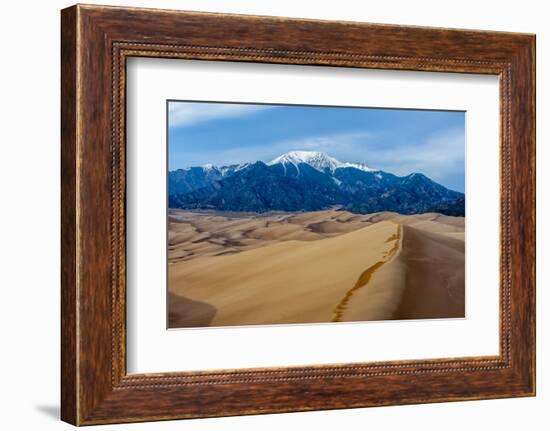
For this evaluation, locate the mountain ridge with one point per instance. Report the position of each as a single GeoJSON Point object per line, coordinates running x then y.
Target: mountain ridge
{"type": "Point", "coordinates": [317, 160]}
{"type": "Point", "coordinates": [308, 181]}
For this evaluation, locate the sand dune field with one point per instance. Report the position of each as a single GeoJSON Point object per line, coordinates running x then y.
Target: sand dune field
{"type": "Point", "coordinates": [325, 266]}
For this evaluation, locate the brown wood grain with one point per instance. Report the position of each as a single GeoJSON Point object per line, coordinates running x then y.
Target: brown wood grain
{"type": "Point", "coordinates": [68, 217]}
{"type": "Point", "coordinates": [96, 41]}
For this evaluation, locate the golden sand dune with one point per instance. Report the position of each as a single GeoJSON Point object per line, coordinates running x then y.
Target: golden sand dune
{"type": "Point", "coordinates": [244, 232]}
{"type": "Point", "coordinates": [286, 282]}
{"type": "Point", "coordinates": [235, 269]}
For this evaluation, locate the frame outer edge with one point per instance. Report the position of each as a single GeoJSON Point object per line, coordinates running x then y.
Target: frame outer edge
{"type": "Point", "coordinates": [532, 80]}
{"type": "Point", "coordinates": [523, 217]}
{"type": "Point", "coordinates": [69, 197]}
{"type": "Point", "coordinates": [87, 397]}
{"type": "Point", "coordinates": [533, 53]}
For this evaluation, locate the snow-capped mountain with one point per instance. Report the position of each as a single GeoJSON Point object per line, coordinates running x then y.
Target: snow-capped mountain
{"type": "Point", "coordinates": [320, 161]}
{"type": "Point", "coordinates": [196, 177]}
{"type": "Point", "coordinates": [308, 181]}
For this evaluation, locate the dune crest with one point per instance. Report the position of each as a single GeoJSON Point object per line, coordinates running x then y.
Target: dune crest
{"type": "Point", "coordinates": [341, 308]}
{"type": "Point", "coordinates": [325, 266]}
{"type": "Point", "coordinates": [425, 280]}
{"type": "Point", "coordinates": [287, 282]}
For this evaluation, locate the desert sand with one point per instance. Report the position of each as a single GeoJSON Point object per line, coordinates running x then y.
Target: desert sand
{"type": "Point", "coordinates": [324, 266]}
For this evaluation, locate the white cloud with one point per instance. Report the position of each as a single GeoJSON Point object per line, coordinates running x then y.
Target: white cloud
{"type": "Point", "coordinates": [339, 142]}
{"type": "Point", "coordinates": [433, 156]}
{"type": "Point", "coordinates": [440, 156]}
{"type": "Point", "coordinates": [183, 114]}
{"type": "Point", "coordinates": [343, 146]}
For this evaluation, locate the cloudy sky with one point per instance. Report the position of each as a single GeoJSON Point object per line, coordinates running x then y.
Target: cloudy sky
{"type": "Point", "coordinates": [393, 140]}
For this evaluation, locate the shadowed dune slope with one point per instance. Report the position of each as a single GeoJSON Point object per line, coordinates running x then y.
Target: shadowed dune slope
{"type": "Point", "coordinates": [425, 280]}
{"type": "Point", "coordinates": [435, 273]}
{"type": "Point", "coordinates": [185, 312]}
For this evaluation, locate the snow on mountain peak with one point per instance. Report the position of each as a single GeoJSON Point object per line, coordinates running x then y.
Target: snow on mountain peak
{"type": "Point", "coordinates": [230, 169]}
{"type": "Point", "coordinates": [208, 167]}
{"type": "Point", "coordinates": [317, 160]}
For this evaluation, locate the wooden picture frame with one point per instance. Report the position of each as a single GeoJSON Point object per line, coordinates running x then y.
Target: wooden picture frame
{"type": "Point", "coordinates": [95, 43]}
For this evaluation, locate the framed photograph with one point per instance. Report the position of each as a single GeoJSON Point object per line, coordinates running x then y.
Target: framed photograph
{"type": "Point", "coordinates": [263, 214]}
{"type": "Point", "coordinates": [245, 222]}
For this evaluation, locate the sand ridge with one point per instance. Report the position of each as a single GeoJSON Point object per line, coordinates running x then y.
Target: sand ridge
{"type": "Point", "coordinates": [365, 277]}
{"type": "Point", "coordinates": [250, 269]}
{"type": "Point", "coordinates": [424, 280]}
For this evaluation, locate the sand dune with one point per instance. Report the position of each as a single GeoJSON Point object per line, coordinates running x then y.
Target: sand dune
{"type": "Point", "coordinates": [194, 235]}
{"type": "Point", "coordinates": [286, 282]}
{"type": "Point", "coordinates": [325, 266]}
{"type": "Point", "coordinates": [425, 280]}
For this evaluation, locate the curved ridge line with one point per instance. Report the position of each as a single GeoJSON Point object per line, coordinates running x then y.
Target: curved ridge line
{"type": "Point", "coordinates": [365, 277]}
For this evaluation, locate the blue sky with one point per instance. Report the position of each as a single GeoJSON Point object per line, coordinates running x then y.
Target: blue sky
{"type": "Point", "coordinates": [393, 140]}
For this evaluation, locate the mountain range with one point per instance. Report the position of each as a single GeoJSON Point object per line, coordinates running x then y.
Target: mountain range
{"type": "Point", "coordinates": [308, 181]}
